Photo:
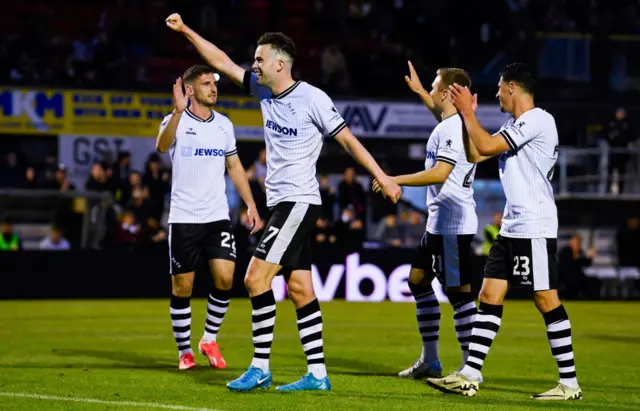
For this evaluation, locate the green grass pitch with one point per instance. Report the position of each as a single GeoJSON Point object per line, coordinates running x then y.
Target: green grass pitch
{"type": "Point", "coordinates": [120, 354]}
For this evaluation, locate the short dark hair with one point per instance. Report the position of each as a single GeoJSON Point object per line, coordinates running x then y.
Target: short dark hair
{"type": "Point", "coordinates": [196, 71]}
{"type": "Point", "coordinates": [521, 74]}
{"type": "Point", "coordinates": [450, 75]}
{"type": "Point", "coordinates": [279, 41]}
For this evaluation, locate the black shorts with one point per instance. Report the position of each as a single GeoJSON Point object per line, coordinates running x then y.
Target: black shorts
{"type": "Point", "coordinates": [524, 262]}
{"type": "Point", "coordinates": [447, 257]}
{"type": "Point", "coordinates": [189, 243]}
{"type": "Point", "coordinates": [286, 240]}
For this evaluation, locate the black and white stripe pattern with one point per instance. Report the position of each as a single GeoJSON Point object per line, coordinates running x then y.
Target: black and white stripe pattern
{"type": "Point", "coordinates": [263, 318]}
{"type": "Point", "coordinates": [310, 329]}
{"type": "Point", "coordinates": [525, 172]}
{"type": "Point", "coordinates": [452, 209]}
{"type": "Point", "coordinates": [464, 317]}
{"type": "Point", "coordinates": [200, 149]}
{"type": "Point", "coordinates": [217, 306]}
{"type": "Point", "coordinates": [559, 334]}
{"type": "Point", "coordinates": [180, 310]}
{"type": "Point", "coordinates": [296, 121]}
{"type": "Point", "coordinates": [484, 332]}
{"type": "Point", "coordinates": [428, 315]}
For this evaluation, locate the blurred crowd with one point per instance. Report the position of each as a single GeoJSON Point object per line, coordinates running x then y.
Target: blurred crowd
{"type": "Point", "coordinates": [351, 213]}
{"type": "Point", "coordinates": [354, 44]}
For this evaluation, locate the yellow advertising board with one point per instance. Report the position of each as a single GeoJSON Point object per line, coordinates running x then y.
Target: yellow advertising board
{"type": "Point", "coordinates": [114, 113]}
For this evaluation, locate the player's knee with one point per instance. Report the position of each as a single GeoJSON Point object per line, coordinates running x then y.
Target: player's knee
{"type": "Point", "coordinates": [181, 287]}
{"type": "Point", "coordinates": [546, 300]}
{"type": "Point", "coordinates": [224, 281]}
{"type": "Point", "coordinates": [254, 278]}
{"type": "Point", "coordinates": [488, 297]}
{"type": "Point", "coordinates": [418, 277]}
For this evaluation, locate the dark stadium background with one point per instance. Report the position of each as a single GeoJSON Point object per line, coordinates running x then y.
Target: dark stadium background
{"type": "Point", "coordinates": [83, 87]}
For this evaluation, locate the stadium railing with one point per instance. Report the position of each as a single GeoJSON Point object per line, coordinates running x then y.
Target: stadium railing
{"type": "Point", "coordinates": [81, 216]}
{"type": "Point", "coordinates": [587, 171]}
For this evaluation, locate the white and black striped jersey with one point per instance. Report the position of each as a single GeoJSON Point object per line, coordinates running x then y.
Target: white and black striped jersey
{"type": "Point", "coordinates": [526, 172]}
{"type": "Point", "coordinates": [452, 209]}
{"type": "Point", "coordinates": [198, 157]}
{"type": "Point", "coordinates": [295, 124]}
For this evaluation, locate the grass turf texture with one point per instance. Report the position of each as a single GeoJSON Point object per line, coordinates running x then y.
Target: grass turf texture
{"type": "Point", "coordinates": [123, 351]}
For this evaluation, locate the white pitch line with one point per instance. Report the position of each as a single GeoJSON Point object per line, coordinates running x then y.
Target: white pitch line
{"type": "Point", "coordinates": [95, 401]}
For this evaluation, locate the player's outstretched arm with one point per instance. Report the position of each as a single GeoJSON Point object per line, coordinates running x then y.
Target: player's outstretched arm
{"type": "Point", "coordinates": [239, 178]}
{"type": "Point", "coordinates": [351, 144]}
{"type": "Point", "coordinates": [169, 125]}
{"type": "Point", "coordinates": [414, 83]}
{"type": "Point", "coordinates": [215, 57]}
{"type": "Point", "coordinates": [436, 175]}
{"type": "Point", "coordinates": [485, 144]}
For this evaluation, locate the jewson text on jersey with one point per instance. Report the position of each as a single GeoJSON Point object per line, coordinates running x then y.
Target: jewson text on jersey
{"type": "Point", "coordinates": [202, 152]}
{"type": "Point", "coordinates": [288, 131]}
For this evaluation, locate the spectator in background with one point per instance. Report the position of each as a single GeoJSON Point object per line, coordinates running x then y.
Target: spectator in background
{"type": "Point", "coordinates": [55, 241]}
{"type": "Point", "coordinates": [324, 234]}
{"type": "Point", "coordinates": [9, 241]}
{"type": "Point", "coordinates": [389, 231]}
{"type": "Point", "coordinates": [349, 232]}
{"type": "Point", "coordinates": [335, 77]}
{"type": "Point", "coordinates": [157, 183]}
{"type": "Point", "coordinates": [139, 204]}
{"type": "Point", "coordinates": [618, 134]}
{"type": "Point", "coordinates": [628, 239]}
{"type": "Point", "coordinates": [260, 167]}
{"type": "Point", "coordinates": [413, 230]}
{"type": "Point", "coordinates": [328, 197]}
{"type": "Point", "coordinates": [351, 194]}
{"type": "Point", "coordinates": [12, 175]}
{"type": "Point", "coordinates": [126, 191]}
{"type": "Point", "coordinates": [61, 181]}
{"type": "Point", "coordinates": [30, 181]}
{"type": "Point", "coordinates": [571, 262]}
{"type": "Point", "coordinates": [121, 170]}
{"type": "Point", "coordinates": [98, 180]}
{"type": "Point", "coordinates": [128, 230]}
{"type": "Point", "coordinates": [153, 234]}
{"type": "Point", "coordinates": [490, 232]}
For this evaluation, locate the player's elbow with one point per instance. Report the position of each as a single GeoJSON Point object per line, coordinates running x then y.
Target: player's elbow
{"type": "Point", "coordinates": [484, 149]}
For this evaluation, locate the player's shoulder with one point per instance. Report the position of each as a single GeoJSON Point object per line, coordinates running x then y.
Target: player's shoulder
{"type": "Point", "coordinates": [311, 92]}
{"type": "Point", "coordinates": [222, 119]}
{"type": "Point", "coordinates": [449, 127]}
{"type": "Point", "coordinates": [539, 115]}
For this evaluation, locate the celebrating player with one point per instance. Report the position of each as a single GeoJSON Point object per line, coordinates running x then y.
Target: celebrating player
{"type": "Point", "coordinates": [445, 249]}
{"type": "Point", "coordinates": [201, 142]}
{"type": "Point", "coordinates": [524, 254]}
{"type": "Point", "coordinates": [297, 116]}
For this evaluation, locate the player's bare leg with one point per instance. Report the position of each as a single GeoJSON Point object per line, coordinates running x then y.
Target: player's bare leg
{"type": "Point", "coordinates": [258, 280]}
{"type": "Point", "coordinates": [559, 335]}
{"type": "Point", "coordinates": [180, 310]}
{"type": "Point", "coordinates": [467, 380]}
{"type": "Point", "coordinates": [300, 289]}
{"type": "Point", "coordinates": [428, 316]}
{"type": "Point", "coordinates": [217, 304]}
